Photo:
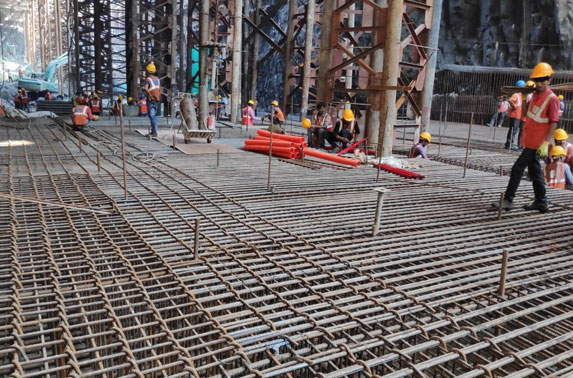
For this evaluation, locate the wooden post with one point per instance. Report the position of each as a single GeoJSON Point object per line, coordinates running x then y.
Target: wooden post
{"type": "Point", "coordinates": [123, 151]}
{"type": "Point", "coordinates": [468, 145]}
{"type": "Point", "coordinates": [379, 202]}
{"type": "Point", "coordinates": [503, 275]}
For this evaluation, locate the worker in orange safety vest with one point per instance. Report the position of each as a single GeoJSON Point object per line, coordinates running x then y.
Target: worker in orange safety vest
{"type": "Point", "coordinates": [152, 89]}
{"type": "Point", "coordinates": [95, 104]}
{"type": "Point", "coordinates": [560, 139]}
{"type": "Point", "coordinates": [541, 122]}
{"type": "Point", "coordinates": [81, 116]}
{"type": "Point", "coordinates": [142, 105]}
{"type": "Point", "coordinates": [248, 114]}
{"type": "Point", "coordinates": [515, 104]}
{"type": "Point", "coordinates": [558, 173]}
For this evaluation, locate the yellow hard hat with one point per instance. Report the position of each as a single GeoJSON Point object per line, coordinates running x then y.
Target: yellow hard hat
{"type": "Point", "coordinates": [530, 84]}
{"type": "Point", "coordinates": [130, 99]}
{"type": "Point", "coordinates": [558, 151]}
{"type": "Point", "coordinates": [151, 68]}
{"type": "Point", "coordinates": [86, 93]}
{"type": "Point", "coordinates": [219, 96]}
{"type": "Point", "coordinates": [541, 70]}
{"type": "Point", "coordinates": [275, 103]}
{"type": "Point", "coordinates": [95, 95]}
{"type": "Point", "coordinates": [96, 118]}
{"type": "Point", "coordinates": [251, 102]}
{"type": "Point", "coordinates": [306, 123]}
{"type": "Point", "coordinates": [348, 115]}
{"type": "Point", "coordinates": [561, 97]}
{"type": "Point", "coordinates": [560, 134]}
{"type": "Point", "coordinates": [427, 136]}
{"type": "Point", "coordinates": [120, 97]}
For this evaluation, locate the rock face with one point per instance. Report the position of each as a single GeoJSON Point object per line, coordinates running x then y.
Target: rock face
{"type": "Point", "coordinates": [507, 33]}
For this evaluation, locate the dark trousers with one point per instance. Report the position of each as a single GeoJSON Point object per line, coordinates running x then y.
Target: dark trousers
{"type": "Point", "coordinates": [512, 133]}
{"type": "Point", "coordinates": [528, 159]}
{"type": "Point", "coordinates": [331, 137]}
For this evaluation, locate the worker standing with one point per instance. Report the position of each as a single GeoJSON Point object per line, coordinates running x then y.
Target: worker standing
{"type": "Point", "coordinates": [152, 89]}
{"type": "Point", "coordinates": [117, 105]}
{"type": "Point", "coordinates": [24, 100]}
{"type": "Point", "coordinates": [248, 114]}
{"type": "Point", "coordinates": [321, 122]}
{"type": "Point", "coordinates": [81, 116]}
{"type": "Point", "coordinates": [142, 105]}
{"type": "Point", "coordinates": [558, 173]}
{"type": "Point", "coordinates": [95, 104]}
{"type": "Point", "coordinates": [502, 108]}
{"type": "Point", "coordinates": [560, 138]}
{"type": "Point", "coordinates": [541, 122]}
{"type": "Point", "coordinates": [515, 104]}
{"type": "Point", "coordinates": [419, 149]}
{"type": "Point", "coordinates": [561, 105]}
{"type": "Point", "coordinates": [344, 130]}
{"type": "Point", "coordinates": [18, 99]}
{"type": "Point", "coordinates": [526, 99]}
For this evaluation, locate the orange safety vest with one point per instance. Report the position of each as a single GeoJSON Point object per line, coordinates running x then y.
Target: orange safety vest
{"type": "Point", "coordinates": [142, 106]}
{"type": "Point", "coordinates": [279, 114]}
{"type": "Point", "coordinates": [153, 87]}
{"type": "Point", "coordinates": [537, 122]}
{"type": "Point", "coordinates": [555, 175]}
{"type": "Point", "coordinates": [95, 104]}
{"type": "Point", "coordinates": [523, 112]}
{"type": "Point", "coordinates": [246, 117]}
{"type": "Point", "coordinates": [80, 115]}
{"type": "Point", "coordinates": [516, 103]}
{"type": "Point", "coordinates": [24, 98]}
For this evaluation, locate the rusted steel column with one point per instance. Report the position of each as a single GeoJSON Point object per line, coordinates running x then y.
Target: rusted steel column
{"type": "Point", "coordinates": [390, 76]}
{"type": "Point", "coordinates": [237, 56]}
{"type": "Point", "coordinates": [310, 8]}
{"type": "Point", "coordinates": [373, 125]}
{"type": "Point", "coordinates": [203, 64]}
{"type": "Point", "coordinates": [288, 53]}
{"type": "Point", "coordinates": [433, 39]}
{"type": "Point", "coordinates": [323, 92]}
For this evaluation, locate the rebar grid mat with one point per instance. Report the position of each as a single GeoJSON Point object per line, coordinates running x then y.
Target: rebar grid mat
{"type": "Point", "coordinates": [288, 284]}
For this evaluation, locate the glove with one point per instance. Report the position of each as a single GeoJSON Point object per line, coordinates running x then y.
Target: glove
{"type": "Point", "coordinates": [542, 151]}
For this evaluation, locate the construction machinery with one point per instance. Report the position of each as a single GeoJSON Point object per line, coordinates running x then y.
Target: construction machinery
{"type": "Point", "coordinates": [40, 81]}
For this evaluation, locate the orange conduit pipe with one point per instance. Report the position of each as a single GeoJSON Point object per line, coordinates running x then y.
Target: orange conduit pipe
{"type": "Point", "coordinates": [259, 138]}
{"type": "Point", "coordinates": [276, 150]}
{"type": "Point", "coordinates": [329, 157]}
{"type": "Point", "coordinates": [276, 143]}
{"type": "Point", "coordinates": [290, 138]}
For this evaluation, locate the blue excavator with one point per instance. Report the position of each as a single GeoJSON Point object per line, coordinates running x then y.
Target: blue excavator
{"type": "Point", "coordinates": [38, 82]}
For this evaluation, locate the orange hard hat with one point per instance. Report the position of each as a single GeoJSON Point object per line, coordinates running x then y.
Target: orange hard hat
{"type": "Point", "coordinates": [542, 70]}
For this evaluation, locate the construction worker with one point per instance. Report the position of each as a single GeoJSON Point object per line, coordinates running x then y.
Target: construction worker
{"type": "Point", "coordinates": [81, 100]}
{"type": "Point", "coordinates": [47, 95]}
{"type": "Point", "coordinates": [558, 173]}
{"type": "Point", "coordinates": [131, 101]}
{"type": "Point", "coordinates": [17, 99]}
{"type": "Point", "coordinates": [117, 105]}
{"type": "Point", "coordinates": [526, 99]}
{"type": "Point", "coordinates": [95, 104]}
{"type": "Point", "coordinates": [321, 122]}
{"type": "Point", "coordinates": [344, 130]}
{"type": "Point", "coordinates": [515, 104]}
{"type": "Point", "coordinates": [276, 115]}
{"type": "Point", "coordinates": [419, 149]}
{"type": "Point", "coordinates": [561, 105]}
{"type": "Point", "coordinates": [81, 116]}
{"type": "Point", "coordinates": [540, 125]}
{"type": "Point", "coordinates": [560, 138]}
{"type": "Point", "coordinates": [248, 114]}
{"type": "Point", "coordinates": [152, 89]}
{"type": "Point", "coordinates": [502, 108]}
{"type": "Point", "coordinates": [24, 100]}
{"type": "Point", "coordinates": [142, 105]}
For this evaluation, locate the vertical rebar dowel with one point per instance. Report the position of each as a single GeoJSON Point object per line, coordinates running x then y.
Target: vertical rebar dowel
{"type": "Point", "coordinates": [270, 159]}
{"type": "Point", "coordinates": [379, 202]}
{"type": "Point", "coordinates": [217, 158]}
{"type": "Point", "coordinates": [503, 275]}
{"type": "Point", "coordinates": [80, 142]}
{"type": "Point", "coordinates": [129, 123]}
{"type": "Point", "coordinates": [123, 151]}
{"type": "Point", "coordinates": [65, 130]}
{"type": "Point", "coordinates": [220, 132]}
{"type": "Point", "coordinates": [98, 163]}
{"type": "Point", "coordinates": [500, 208]}
{"type": "Point", "coordinates": [301, 152]}
{"type": "Point", "coordinates": [196, 243]}
{"type": "Point", "coordinates": [468, 144]}
{"type": "Point", "coordinates": [501, 170]}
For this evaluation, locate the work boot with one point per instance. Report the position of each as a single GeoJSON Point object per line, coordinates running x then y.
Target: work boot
{"type": "Point", "coordinates": [153, 135]}
{"type": "Point", "coordinates": [536, 205]}
{"type": "Point", "coordinates": [506, 205]}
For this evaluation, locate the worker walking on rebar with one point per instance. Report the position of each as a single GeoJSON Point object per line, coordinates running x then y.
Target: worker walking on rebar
{"type": "Point", "coordinates": [81, 116]}
{"type": "Point", "coordinates": [560, 139]}
{"type": "Point", "coordinates": [515, 104]}
{"type": "Point", "coordinates": [502, 108]}
{"type": "Point", "coordinates": [558, 173]}
{"type": "Point", "coordinates": [321, 122]}
{"type": "Point", "coordinates": [540, 125]}
{"type": "Point", "coordinates": [344, 130]}
{"type": "Point", "coordinates": [152, 89]}
{"type": "Point", "coordinates": [419, 149]}
{"type": "Point", "coordinates": [248, 114]}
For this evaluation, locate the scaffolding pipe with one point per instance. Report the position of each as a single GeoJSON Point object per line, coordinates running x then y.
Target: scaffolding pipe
{"type": "Point", "coordinates": [307, 57]}
{"type": "Point", "coordinates": [237, 46]}
{"type": "Point", "coordinates": [433, 40]}
{"type": "Point", "coordinates": [203, 56]}
{"type": "Point", "coordinates": [288, 54]}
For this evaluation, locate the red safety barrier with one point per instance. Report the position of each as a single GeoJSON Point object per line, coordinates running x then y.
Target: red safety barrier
{"type": "Point", "coordinates": [399, 171]}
